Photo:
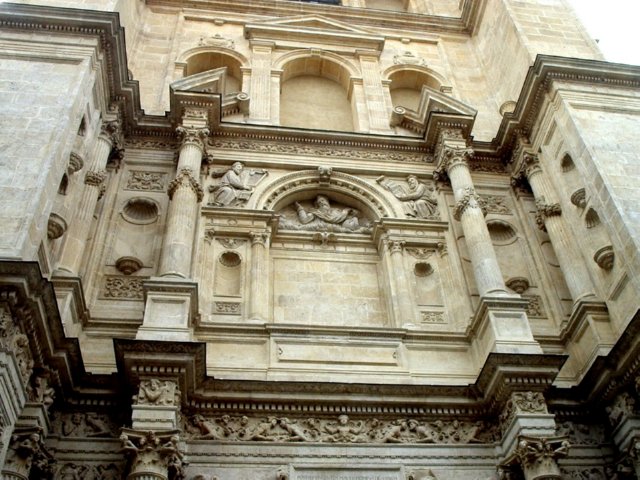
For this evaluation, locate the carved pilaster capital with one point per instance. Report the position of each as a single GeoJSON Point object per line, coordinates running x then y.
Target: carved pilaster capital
{"type": "Point", "coordinates": [470, 199]}
{"type": "Point", "coordinates": [449, 156]}
{"type": "Point", "coordinates": [528, 167]}
{"type": "Point", "coordinates": [95, 178]}
{"type": "Point", "coordinates": [153, 455]}
{"type": "Point", "coordinates": [153, 391]}
{"type": "Point", "coordinates": [27, 456]}
{"type": "Point", "coordinates": [185, 178]}
{"type": "Point", "coordinates": [545, 210]}
{"type": "Point", "coordinates": [538, 456]}
{"type": "Point", "coordinates": [260, 238]}
{"type": "Point", "coordinates": [111, 131]}
{"type": "Point", "coordinates": [192, 136]}
{"type": "Point", "coordinates": [394, 246]}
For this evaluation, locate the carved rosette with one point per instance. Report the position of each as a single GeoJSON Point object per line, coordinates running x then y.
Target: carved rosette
{"type": "Point", "coordinates": [185, 178]}
{"type": "Point", "coordinates": [94, 178]}
{"type": "Point", "coordinates": [152, 456]}
{"type": "Point", "coordinates": [537, 456]}
{"type": "Point", "coordinates": [544, 211]}
{"type": "Point", "coordinates": [470, 199]}
{"type": "Point", "coordinates": [192, 136]}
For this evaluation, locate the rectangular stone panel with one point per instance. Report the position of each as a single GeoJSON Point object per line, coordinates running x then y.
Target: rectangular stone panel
{"type": "Point", "coordinates": [347, 473]}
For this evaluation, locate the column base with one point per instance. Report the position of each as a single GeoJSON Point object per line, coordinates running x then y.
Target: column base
{"type": "Point", "coordinates": [171, 309]}
{"type": "Point", "coordinates": [500, 325]}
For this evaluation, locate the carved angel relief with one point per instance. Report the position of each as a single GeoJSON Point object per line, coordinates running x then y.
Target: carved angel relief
{"type": "Point", "coordinates": [418, 198]}
{"type": "Point", "coordinates": [324, 215]}
{"type": "Point", "coordinates": [235, 186]}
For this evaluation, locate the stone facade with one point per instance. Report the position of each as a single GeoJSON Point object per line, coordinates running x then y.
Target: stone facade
{"type": "Point", "coordinates": [334, 240]}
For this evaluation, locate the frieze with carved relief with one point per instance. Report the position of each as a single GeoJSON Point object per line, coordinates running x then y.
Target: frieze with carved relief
{"type": "Point", "coordinates": [342, 429]}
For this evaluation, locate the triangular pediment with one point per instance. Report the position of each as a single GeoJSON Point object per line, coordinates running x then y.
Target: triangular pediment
{"type": "Point", "coordinates": [316, 22]}
{"type": "Point", "coordinates": [313, 29]}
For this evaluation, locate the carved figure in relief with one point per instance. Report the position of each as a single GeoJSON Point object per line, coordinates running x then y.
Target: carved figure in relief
{"type": "Point", "coordinates": [424, 433]}
{"type": "Point", "coordinates": [344, 431]}
{"type": "Point", "coordinates": [264, 430]}
{"type": "Point", "coordinates": [208, 430]}
{"type": "Point", "coordinates": [321, 216]}
{"type": "Point", "coordinates": [418, 198]}
{"type": "Point", "coordinates": [236, 185]}
{"type": "Point", "coordinates": [296, 432]}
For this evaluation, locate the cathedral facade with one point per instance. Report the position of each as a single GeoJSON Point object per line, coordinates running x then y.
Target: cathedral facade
{"type": "Point", "coordinates": [331, 240]}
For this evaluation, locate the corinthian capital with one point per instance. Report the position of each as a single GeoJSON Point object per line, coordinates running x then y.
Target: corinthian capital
{"type": "Point", "coordinates": [192, 136]}
{"type": "Point", "coordinates": [95, 178]}
{"type": "Point", "coordinates": [538, 456]}
{"type": "Point", "coordinates": [111, 132]}
{"type": "Point", "coordinates": [470, 199]}
{"type": "Point", "coordinates": [451, 155]}
{"type": "Point", "coordinates": [545, 210]}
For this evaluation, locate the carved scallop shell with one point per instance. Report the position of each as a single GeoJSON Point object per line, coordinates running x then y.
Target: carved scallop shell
{"type": "Point", "coordinates": [500, 231]}
{"type": "Point", "coordinates": [140, 211]}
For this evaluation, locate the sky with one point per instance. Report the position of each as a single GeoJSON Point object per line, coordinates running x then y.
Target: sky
{"type": "Point", "coordinates": [615, 24]}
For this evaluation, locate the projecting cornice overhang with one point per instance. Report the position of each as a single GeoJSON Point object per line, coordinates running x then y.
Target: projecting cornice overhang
{"type": "Point", "coordinates": [545, 71]}
{"type": "Point", "coordinates": [314, 29]}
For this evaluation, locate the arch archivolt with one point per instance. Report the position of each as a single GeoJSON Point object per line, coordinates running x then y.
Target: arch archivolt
{"type": "Point", "coordinates": [187, 54]}
{"type": "Point", "coordinates": [317, 63]}
{"type": "Point", "coordinates": [437, 77]}
{"type": "Point", "coordinates": [344, 187]}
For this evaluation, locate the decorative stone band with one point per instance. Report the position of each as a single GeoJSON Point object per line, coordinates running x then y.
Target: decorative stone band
{"type": "Point", "coordinates": [470, 199]}
{"type": "Point", "coordinates": [192, 136]}
{"type": "Point", "coordinates": [544, 211]}
{"type": "Point", "coordinates": [185, 178]}
{"type": "Point", "coordinates": [260, 238]}
{"type": "Point", "coordinates": [95, 178]}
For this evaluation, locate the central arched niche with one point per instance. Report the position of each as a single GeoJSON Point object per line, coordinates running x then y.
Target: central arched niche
{"type": "Point", "coordinates": [326, 271]}
{"type": "Point", "coordinates": [406, 86]}
{"type": "Point", "coordinates": [313, 94]}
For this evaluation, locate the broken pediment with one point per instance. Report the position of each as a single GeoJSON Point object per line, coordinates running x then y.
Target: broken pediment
{"type": "Point", "coordinates": [211, 81]}
{"type": "Point", "coordinates": [313, 29]}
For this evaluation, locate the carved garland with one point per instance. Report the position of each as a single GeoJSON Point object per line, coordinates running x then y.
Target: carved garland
{"type": "Point", "coordinates": [185, 178]}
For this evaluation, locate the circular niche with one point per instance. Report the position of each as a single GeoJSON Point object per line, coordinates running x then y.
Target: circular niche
{"type": "Point", "coordinates": [140, 211]}
{"type": "Point", "coordinates": [230, 259]}
{"type": "Point", "coordinates": [501, 232]}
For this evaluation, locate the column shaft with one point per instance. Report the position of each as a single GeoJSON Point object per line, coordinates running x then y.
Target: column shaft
{"type": "Point", "coordinates": [405, 313]}
{"type": "Point", "coordinates": [185, 193]}
{"type": "Point", "coordinates": [259, 291]}
{"type": "Point", "coordinates": [78, 231]}
{"type": "Point", "coordinates": [549, 214]}
{"type": "Point", "coordinates": [481, 252]}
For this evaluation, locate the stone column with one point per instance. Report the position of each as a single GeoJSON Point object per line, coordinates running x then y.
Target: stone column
{"type": "Point", "coordinates": [185, 193]}
{"type": "Point", "coordinates": [549, 219]}
{"type": "Point", "coordinates": [374, 94]}
{"type": "Point", "coordinates": [260, 90]}
{"type": "Point", "coordinates": [259, 276]}
{"type": "Point", "coordinates": [452, 160]}
{"type": "Point", "coordinates": [78, 231]}
{"type": "Point", "coordinates": [537, 457]}
{"type": "Point", "coordinates": [405, 313]}
{"type": "Point", "coordinates": [152, 456]}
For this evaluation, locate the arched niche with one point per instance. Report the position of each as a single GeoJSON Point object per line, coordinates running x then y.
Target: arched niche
{"type": "Point", "coordinates": [204, 59]}
{"type": "Point", "coordinates": [344, 188]}
{"type": "Point", "coordinates": [314, 93]}
{"type": "Point", "coordinates": [407, 82]}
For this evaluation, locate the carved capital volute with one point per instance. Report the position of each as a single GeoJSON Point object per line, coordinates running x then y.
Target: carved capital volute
{"type": "Point", "coordinates": [394, 246]}
{"type": "Point", "coordinates": [260, 238]}
{"type": "Point", "coordinates": [185, 179]}
{"type": "Point", "coordinates": [538, 456]}
{"type": "Point", "coordinates": [192, 136]}
{"type": "Point", "coordinates": [453, 155]}
{"type": "Point", "coordinates": [470, 199]}
{"type": "Point", "coordinates": [153, 455]}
